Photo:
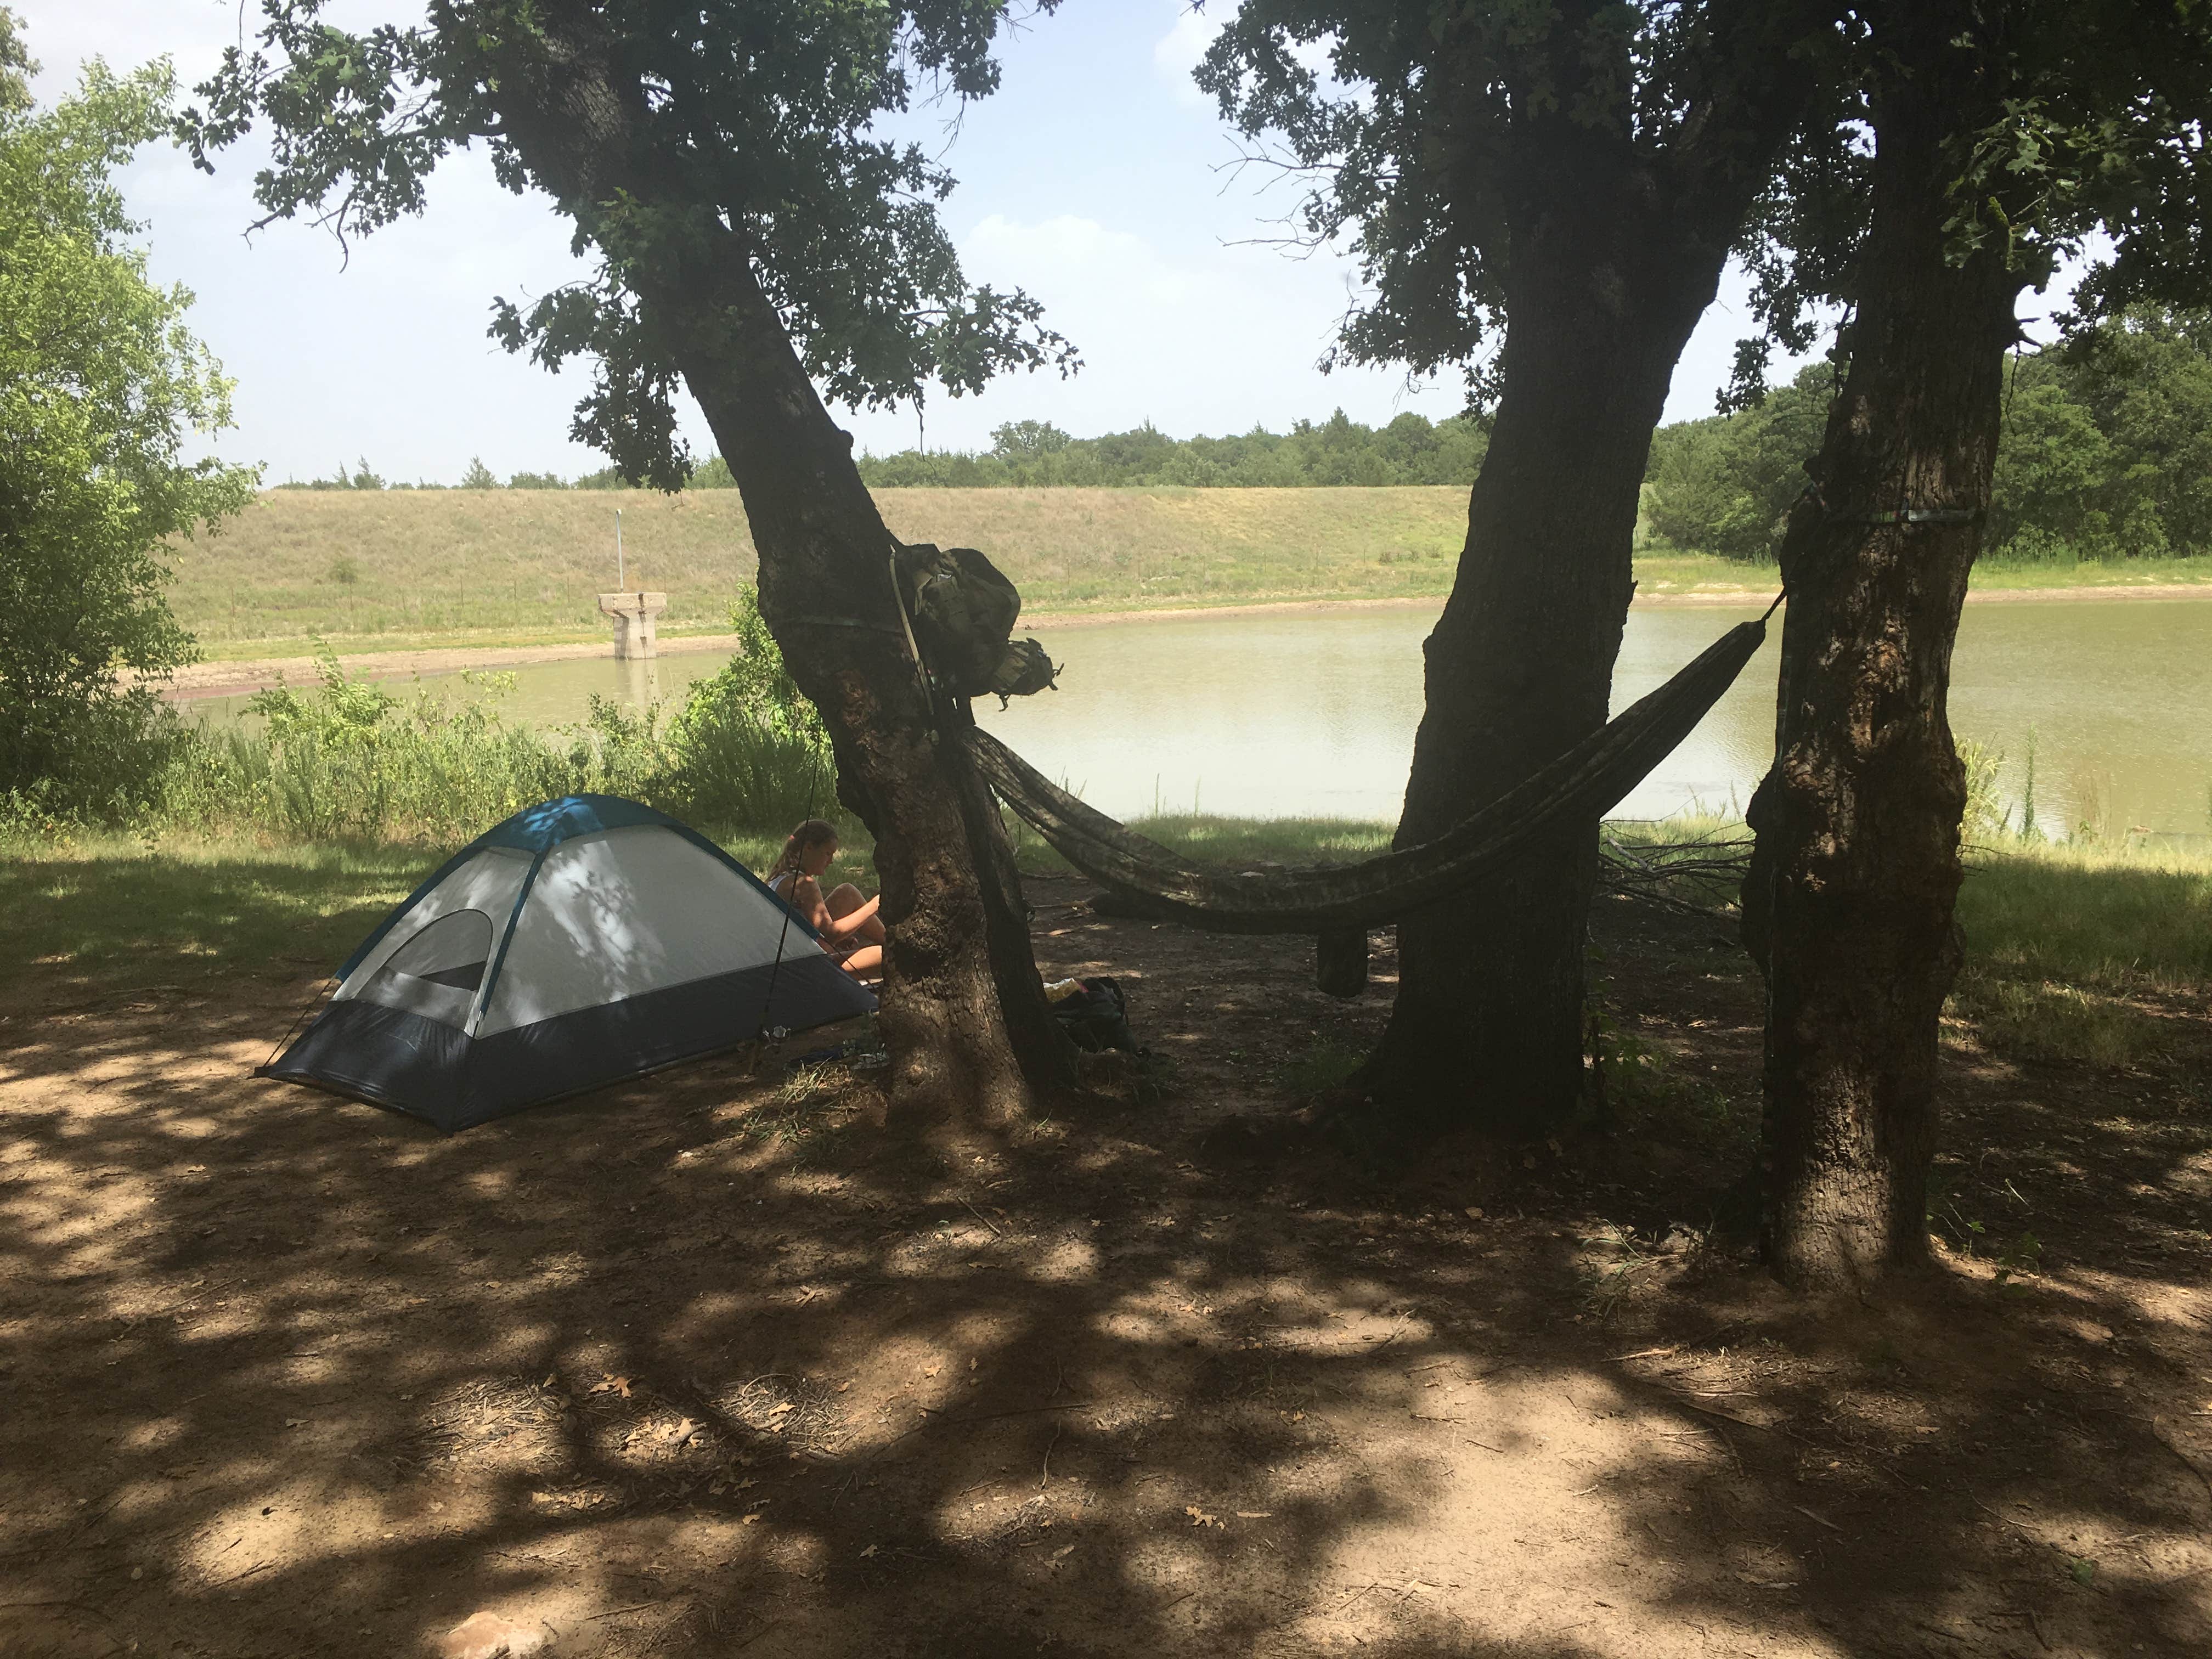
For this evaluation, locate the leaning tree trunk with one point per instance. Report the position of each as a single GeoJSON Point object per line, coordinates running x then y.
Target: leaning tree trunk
{"type": "Point", "coordinates": [963, 1008]}
{"type": "Point", "coordinates": [1848, 903]}
{"type": "Point", "coordinates": [1487, 1028]}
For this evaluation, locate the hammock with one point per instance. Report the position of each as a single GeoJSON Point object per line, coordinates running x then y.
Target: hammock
{"type": "Point", "coordinates": [1580, 786]}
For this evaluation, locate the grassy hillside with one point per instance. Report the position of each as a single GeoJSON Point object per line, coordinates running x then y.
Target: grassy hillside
{"type": "Point", "coordinates": [391, 569]}
{"type": "Point", "coordinates": [394, 568]}
{"type": "Point", "coordinates": [412, 565]}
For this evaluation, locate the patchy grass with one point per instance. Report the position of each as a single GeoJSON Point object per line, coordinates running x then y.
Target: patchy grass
{"type": "Point", "coordinates": [1663, 570]}
{"type": "Point", "coordinates": [2078, 952]}
{"type": "Point", "coordinates": [2074, 953]}
{"type": "Point", "coordinates": [102, 909]}
{"type": "Point", "coordinates": [2118, 572]}
{"type": "Point", "coordinates": [86, 912]}
{"type": "Point", "coordinates": [2113, 916]}
{"type": "Point", "coordinates": [1323, 1064]}
{"type": "Point", "coordinates": [517, 566]}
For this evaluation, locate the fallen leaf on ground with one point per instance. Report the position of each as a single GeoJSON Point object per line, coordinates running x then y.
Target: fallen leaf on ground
{"type": "Point", "coordinates": [1198, 1517]}
{"type": "Point", "coordinates": [868, 1551]}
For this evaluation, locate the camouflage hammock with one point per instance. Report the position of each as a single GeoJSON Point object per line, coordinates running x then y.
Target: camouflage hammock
{"type": "Point", "coordinates": [1579, 786]}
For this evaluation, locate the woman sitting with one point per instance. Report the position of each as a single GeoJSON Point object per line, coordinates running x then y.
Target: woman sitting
{"type": "Point", "coordinates": [851, 931]}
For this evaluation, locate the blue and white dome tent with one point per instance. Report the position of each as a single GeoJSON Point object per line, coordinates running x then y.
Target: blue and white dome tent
{"type": "Point", "coordinates": [581, 942]}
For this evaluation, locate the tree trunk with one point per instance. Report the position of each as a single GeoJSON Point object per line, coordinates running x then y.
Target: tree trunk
{"type": "Point", "coordinates": [963, 1007]}
{"type": "Point", "coordinates": [1487, 1028]}
{"type": "Point", "coordinates": [1609, 246]}
{"type": "Point", "coordinates": [1848, 904]}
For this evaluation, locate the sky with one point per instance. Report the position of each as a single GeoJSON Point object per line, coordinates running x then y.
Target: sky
{"type": "Point", "coordinates": [1098, 179]}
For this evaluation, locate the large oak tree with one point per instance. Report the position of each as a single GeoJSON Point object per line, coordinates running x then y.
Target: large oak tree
{"type": "Point", "coordinates": [756, 238]}
{"type": "Point", "coordinates": [1544, 195]}
{"type": "Point", "coordinates": [2004, 135]}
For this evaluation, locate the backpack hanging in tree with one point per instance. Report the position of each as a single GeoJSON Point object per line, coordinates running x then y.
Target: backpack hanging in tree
{"type": "Point", "coordinates": [963, 610]}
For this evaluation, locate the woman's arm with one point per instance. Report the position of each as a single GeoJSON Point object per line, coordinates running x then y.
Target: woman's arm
{"type": "Point", "coordinates": [808, 900]}
{"type": "Point", "coordinates": [851, 921]}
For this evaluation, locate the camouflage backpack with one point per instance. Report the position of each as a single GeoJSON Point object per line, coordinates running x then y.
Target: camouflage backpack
{"type": "Point", "coordinates": [963, 610]}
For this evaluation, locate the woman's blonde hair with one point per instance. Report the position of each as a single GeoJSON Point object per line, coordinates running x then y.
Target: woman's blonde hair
{"type": "Point", "coordinates": [800, 842]}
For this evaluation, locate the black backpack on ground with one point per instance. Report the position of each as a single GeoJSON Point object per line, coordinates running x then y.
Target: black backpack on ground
{"type": "Point", "coordinates": [1098, 1019]}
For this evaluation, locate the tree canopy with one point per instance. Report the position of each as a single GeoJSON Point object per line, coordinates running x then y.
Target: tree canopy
{"type": "Point", "coordinates": [2094, 155]}
{"type": "Point", "coordinates": [2105, 452]}
{"type": "Point", "coordinates": [15, 66]}
{"type": "Point", "coordinates": [1430, 135]}
{"type": "Point", "coordinates": [101, 386]}
{"type": "Point", "coordinates": [758, 118]}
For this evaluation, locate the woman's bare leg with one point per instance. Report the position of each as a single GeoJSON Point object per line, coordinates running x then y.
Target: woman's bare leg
{"type": "Point", "coordinates": [846, 898]}
{"type": "Point", "coordinates": [865, 962]}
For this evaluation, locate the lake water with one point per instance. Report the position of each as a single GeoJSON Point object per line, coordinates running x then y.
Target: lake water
{"type": "Point", "coordinates": [1314, 714]}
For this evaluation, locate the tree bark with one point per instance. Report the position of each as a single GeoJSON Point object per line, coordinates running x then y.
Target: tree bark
{"type": "Point", "coordinates": [962, 1006]}
{"type": "Point", "coordinates": [1848, 904]}
{"type": "Point", "coordinates": [1613, 248]}
{"type": "Point", "coordinates": [964, 1010]}
{"type": "Point", "coordinates": [1487, 1028]}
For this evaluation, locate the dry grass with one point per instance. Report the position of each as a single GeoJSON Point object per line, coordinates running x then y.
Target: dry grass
{"type": "Point", "coordinates": [404, 569]}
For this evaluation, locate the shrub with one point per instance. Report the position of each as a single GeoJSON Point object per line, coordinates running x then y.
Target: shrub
{"type": "Point", "coordinates": [111, 754]}
{"type": "Point", "coordinates": [748, 750]}
{"type": "Point", "coordinates": [347, 760]}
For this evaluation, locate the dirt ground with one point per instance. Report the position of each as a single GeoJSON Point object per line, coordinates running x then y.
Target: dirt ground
{"type": "Point", "coordinates": [712, 1365]}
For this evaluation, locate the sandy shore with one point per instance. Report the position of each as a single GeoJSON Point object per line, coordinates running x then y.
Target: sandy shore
{"type": "Point", "coordinates": [227, 679]}
{"type": "Point", "coordinates": [224, 679]}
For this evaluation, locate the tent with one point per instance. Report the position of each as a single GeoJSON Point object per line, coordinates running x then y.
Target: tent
{"type": "Point", "coordinates": [582, 941]}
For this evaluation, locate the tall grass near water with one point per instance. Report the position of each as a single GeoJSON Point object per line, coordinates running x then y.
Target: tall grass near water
{"type": "Point", "coordinates": [344, 762]}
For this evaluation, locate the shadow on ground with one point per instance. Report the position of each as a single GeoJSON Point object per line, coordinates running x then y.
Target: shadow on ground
{"type": "Point", "coordinates": [712, 1365]}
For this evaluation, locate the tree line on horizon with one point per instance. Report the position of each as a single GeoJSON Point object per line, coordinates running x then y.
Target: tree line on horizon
{"type": "Point", "coordinates": [1409, 449]}
{"type": "Point", "coordinates": [2105, 452]}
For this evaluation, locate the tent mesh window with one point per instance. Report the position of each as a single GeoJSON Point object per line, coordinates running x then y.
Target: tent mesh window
{"type": "Point", "coordinates": [436, 973]}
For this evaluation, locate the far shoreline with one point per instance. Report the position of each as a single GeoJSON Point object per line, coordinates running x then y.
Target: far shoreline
{"type": "Point", "coordinates": [197, 681]}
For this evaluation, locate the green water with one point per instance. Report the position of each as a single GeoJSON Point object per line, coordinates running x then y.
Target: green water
{"type": "Point", "coordinates": [1292, 714]}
